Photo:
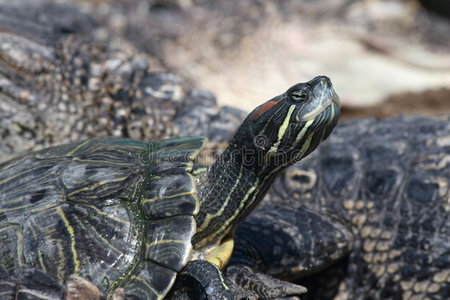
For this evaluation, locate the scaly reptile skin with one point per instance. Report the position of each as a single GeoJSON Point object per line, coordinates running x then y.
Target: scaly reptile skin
{"type": "Point", "coordinates": [59, 84]}
{"type": "Point", "coordinates": [87, 81]}
{"type": "Point", "coordinates": [375, 198]}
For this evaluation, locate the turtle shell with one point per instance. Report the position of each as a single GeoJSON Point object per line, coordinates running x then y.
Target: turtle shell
{"type": "Point", "coordinates": [114, 211]}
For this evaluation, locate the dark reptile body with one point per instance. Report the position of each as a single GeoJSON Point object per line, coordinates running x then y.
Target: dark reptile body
{"type": "Point", "coordinates": [80, 198]}
{"type": "Point", "coordinates": [370, 209]}
{"type": "Point", "coordinates": [306, 245]}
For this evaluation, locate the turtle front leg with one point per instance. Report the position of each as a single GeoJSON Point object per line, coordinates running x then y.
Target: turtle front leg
{"type": "Point", "coordinates": [244, 283]}
{"type": "Point", "coordinates": [248, 284]}
{"type": "Point", "coordinates": [201, 280]}
{"type": "Point", "coordinates": [222, 254]}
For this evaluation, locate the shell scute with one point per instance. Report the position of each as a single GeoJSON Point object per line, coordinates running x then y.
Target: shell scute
{"type": "Point", "coordinates": [81, 239]}
{"type": "Point", "coordinates": [170, 195]}
{"type": "Point", "coordinates": [150, 281]}
{"type": "Point", "coordinates": [169, 241]}
{"type": "Point", "coordinates": [173, 155]}
{"type": "Point", "coordinates": [79, 209]}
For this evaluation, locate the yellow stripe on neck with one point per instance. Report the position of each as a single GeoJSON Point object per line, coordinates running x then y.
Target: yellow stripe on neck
{"type": "Point", "coordinates": [282, 130]}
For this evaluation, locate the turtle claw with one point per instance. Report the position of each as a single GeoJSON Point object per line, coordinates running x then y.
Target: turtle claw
{"type": "Point", "coordinates": [247, 284]}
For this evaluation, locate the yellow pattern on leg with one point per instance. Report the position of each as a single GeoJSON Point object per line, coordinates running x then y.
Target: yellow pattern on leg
{"type": "Point", "coordinates": [222, 254]}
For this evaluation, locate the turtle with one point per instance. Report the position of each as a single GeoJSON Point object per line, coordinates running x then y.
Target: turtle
{"type": "Point", "coordinates": [42, 106]}
{"type": "Point", "coordinates": [132, 214]}
{"type": "Point", "coordinates": [366, 216]}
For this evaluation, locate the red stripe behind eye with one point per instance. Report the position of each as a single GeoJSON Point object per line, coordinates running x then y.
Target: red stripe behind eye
{"type": "Point", "coordinates": [265, 107]}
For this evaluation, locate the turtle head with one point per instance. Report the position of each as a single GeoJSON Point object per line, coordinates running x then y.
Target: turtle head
{"type": "Point", "coordinates": [288, 127]}
{"type": "Point", "coordinates": [274, 136]}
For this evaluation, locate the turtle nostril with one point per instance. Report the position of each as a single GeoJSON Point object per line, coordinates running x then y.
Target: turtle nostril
{"type": "Point", "coordinates": [325, 81]}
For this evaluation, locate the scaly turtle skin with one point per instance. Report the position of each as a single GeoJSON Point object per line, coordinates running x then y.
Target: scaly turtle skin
{"type": "Point", "coordinates": [44, 97]}
{"type": "Point", "coordinates": [127, 213]}
{"type": "Point", "coordinates": [374, 200]}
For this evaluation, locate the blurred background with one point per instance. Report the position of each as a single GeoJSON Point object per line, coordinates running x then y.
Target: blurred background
{"type": "Point", "coordinates": [385, 57]}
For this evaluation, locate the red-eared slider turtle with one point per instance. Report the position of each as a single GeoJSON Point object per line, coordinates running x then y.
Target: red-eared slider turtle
{"type": "Point", "coordinates": [373, 200]}
{"type": "Point", "coordinates": [128, 213]}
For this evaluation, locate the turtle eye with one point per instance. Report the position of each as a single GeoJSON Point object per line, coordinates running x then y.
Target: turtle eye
{"type": "Point", "coordinates": [299, 95]}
